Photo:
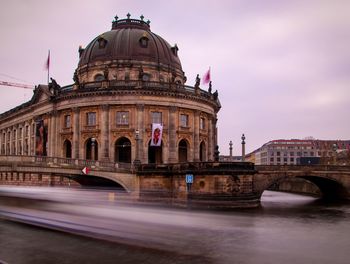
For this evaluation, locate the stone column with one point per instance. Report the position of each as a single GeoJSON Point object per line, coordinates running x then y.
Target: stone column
{"type": "Point", "coordinates": [11, 135]}
{"type": "Point", "coordinates": [52, 140]}
{"type": "Point", "coordinates": [196, 136]}
{"type": "Point", "coordinates": [105, 132]}
{"type": "Point", "coordinates": [76, 135]}
{"type": "Point", "coordinates": [173, 158]}
{"type": "Point", "coordinates": [140, 125]}
{"type": "Point", "coordinates": [210, 139]}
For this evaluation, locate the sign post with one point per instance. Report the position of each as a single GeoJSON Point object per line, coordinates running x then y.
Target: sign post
{"type": "Point", "coordinates": [189, 182]}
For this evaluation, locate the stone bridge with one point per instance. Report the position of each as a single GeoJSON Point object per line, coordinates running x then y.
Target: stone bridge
{"type": "Point", "coordinates": [50, 171]}
{"type": "Point", "coordinates": [333, 181]}
{"type": "Point", "coordinates": [215, 184]}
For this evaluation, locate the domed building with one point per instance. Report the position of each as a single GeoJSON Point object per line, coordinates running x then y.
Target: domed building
{"type": "Point", "coordinates": [129, 103]}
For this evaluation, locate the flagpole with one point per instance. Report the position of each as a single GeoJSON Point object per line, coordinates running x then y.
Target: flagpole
{"type": "Point", "coordinates": [48, 68]}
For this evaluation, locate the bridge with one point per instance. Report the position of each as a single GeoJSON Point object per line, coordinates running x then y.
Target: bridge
{"type": "Point", "coordinates": [216, 183]}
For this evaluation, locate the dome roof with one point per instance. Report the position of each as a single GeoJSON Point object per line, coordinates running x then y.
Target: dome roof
{"type": "Point", "coordinates": [130, 39]}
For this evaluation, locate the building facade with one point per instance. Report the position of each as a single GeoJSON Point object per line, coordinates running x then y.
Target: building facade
{"type": "Point", "coordinates": [128, 79]}
{"type": "Point", "coordinates": [290, 151]}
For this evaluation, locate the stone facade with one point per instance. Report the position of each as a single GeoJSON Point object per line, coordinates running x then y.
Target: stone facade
{"type": "Point", "coordinates": [121, 88]}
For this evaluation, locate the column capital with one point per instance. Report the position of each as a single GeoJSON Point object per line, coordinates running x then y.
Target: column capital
{"type": "Point", "coordinates": [75, 110]}
{"type": "Point", "coordinates": [173, 109]}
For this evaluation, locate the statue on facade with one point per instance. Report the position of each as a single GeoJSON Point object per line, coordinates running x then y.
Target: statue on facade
{"type": "Point", "coordinates": [75, 77]}
{"type": "Point", "coordinates": [216, 94]}
{"type": "Point", "coordinates": [198, 80]}
{"type": "Point", "coordinates": [54, 86]}
{"type": "Point", "coordinates": [105, 73]}
{"type": "Point", "coordinates": [209, 89]}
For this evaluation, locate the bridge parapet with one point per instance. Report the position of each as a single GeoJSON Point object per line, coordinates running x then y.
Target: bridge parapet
{"type": "Point", "coordinates": [64, 162]}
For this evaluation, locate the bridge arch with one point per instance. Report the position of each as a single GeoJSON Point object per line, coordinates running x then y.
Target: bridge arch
{"type": "Point", "coordinates": [329, 188]}
{"type": "Point", "coordinates": [97, 181]}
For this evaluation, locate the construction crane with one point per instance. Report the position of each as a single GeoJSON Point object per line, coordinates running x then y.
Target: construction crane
{"type": "Point", "coordinates": [20, 85]}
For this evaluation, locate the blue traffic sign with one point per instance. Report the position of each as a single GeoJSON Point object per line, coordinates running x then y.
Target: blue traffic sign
{"type": "Point", "coordinates": [189, 178]}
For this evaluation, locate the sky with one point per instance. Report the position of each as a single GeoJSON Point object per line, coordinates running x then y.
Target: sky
{"type": "Point", "coordinates": [281, 68]}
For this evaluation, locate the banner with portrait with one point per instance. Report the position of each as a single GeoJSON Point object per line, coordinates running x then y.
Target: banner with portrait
{"type": "Point", "coordinates": [157, 131]}
{"type": "Point", "coordinates": [40, 138]}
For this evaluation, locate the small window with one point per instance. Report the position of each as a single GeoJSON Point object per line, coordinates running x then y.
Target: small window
{"type": "Point", "coordinates": [202, 123]}
{"type": "Point", "coordinates": [157, 117]}
{"type": "Point", "coordinates": [67, 121]}
{"type": "Point", "coordinates": [102, 42]}
{"type": "Point", "coordinates": [183, 120]}
{"type": "Point", "coordinates": [91, 119]}
{"type": "Point", "coordinates": [122, 118]}
{"type": "Point", "coordinates": [144, 42]}
{"type": "Point", "coordinates": [99, 77]}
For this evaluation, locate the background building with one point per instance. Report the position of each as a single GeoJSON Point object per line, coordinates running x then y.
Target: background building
{"type": "Point", "coordinates": [292, 151]}
{"type": "Point", "coordinates": [128, 79]}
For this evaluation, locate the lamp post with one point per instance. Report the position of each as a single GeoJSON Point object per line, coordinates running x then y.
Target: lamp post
{"type": "Point", "coordinates": [243, 147]}
{"type": "Point", "coordinates": [335, 147]}
{"type": "Point", "coordinates": [137, 159]}
{"type": "Point", "coordinates": [93, 142]}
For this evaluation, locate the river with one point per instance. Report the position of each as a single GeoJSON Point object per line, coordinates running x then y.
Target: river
{"type": "Point", "coordinates": [287, 228]}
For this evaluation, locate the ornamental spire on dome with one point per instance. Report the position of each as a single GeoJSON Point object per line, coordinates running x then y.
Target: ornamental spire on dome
{"type": "Point", "coordinates": [131, 22]}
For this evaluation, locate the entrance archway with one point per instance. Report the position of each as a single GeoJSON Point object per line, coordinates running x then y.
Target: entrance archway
{"type": "Point", "coordinates": [183, 146]}
{"type": "Point", "coordinates": [91, 149]}
{"type": "Point", "coordinates": [122, 150]}
{"type": "Point", "coordinates": [155, 154]}
{"type": "Point", "coordinates": [67, 149]}
{"type": "Point", "coordinates": [202, 152]}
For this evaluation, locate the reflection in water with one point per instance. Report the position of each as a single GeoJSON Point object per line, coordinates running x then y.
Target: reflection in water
{"type": "Point", "coordinates": [287, 228]}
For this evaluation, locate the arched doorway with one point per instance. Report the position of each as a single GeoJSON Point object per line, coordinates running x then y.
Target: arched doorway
{"type": "Point", "coordinates": [183, 150]}
{"type": "Point", "coordinates": [122, 150]}
{"type": "Point", "coordinates": [67, 149]}
{"type": "Point", "coordinates": [155, 154]}
{"type": "Point", "coordinates": [91, 149]}
{"type": "Point", "coordinates": [202, 152]}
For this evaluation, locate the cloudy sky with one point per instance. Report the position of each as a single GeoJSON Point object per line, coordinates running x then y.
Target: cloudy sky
{"type": "Point", "coordinates": [282, 68]}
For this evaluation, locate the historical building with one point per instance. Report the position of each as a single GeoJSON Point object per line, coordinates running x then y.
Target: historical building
{"type": "Point", "coordinates": [129, 88]}
{"type": "Point", "coordinates": [290, 151]}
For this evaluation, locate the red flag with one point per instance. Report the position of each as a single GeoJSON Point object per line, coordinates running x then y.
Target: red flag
{"type": "Point", "coordinates": [47, 64]}
{"type": "Point", "coordinates": [206, 77]}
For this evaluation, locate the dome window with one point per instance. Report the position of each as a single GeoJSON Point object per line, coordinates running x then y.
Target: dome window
{"type": "Point", "coordinates": [174, 49]}
{"type": "Point", "coordinates": [101, 42]}
{"type": "Point", "coordinates": [144, 41]}
{"type": "Point", "coordinates": [99, 77]}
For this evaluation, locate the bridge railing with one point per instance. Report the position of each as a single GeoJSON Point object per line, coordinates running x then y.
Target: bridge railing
{"type": "Point", "coordinates": [67, 162]}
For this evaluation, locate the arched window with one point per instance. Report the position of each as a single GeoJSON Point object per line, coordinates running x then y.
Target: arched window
{"type": "Point", "coordinates": [183, 150]}
{"type": "Point", "coordinates": [155, 154]}
{"type": "Point", "coordinates": [67, 149]}
{"type": "Point", "coordinates": [91, 149]}
{"type": "Point", "coordinates": [202, 152]}
{"type": "Point", "coordinates": [123, 150]}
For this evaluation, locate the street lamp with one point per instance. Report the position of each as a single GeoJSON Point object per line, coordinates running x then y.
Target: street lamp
{"type": "Point", "coordinates": [93, 142]}
{"type": "Point", "coordinates": [335, 147]}
{"type": "Point", "coordinates": [137, 138]}
{"type": "Point", "coordinates": [243, 147]}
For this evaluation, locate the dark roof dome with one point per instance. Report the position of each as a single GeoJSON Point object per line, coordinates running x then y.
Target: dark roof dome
{"type": "Point", "coordinates": [130, 39]}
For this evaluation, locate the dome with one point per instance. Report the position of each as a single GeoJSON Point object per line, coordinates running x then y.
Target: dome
{"type": "Point", "coordinates": [130, 40]}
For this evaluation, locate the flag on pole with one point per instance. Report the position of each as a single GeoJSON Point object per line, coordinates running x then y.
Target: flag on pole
{"type": "Point", "coordinates": [206, 77]}
{"type": "Point", "coordinates": [47, 67]}
{"type": "Point", "coordinates": [47, 64]}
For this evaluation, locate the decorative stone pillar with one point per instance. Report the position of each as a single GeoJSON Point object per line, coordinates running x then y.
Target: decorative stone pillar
{"type": "Point", "coordinates": [210, 139]}
{"type": "Point", "coordinates": [173, 158]}
{"type": "Point", "coordinates": [76, 131]}
{"type": "Point", "coordinates": [105, 132]}
{"type": "Point", "coordinates": [140, 126]}
{"type": "Point", "coordinates": [52, 140]}
{"type": "Point", "coordinates": [196, 136]}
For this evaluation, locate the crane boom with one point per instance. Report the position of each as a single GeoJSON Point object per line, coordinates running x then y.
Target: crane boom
{"type": "Point", "coordinates": [20, 85]}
